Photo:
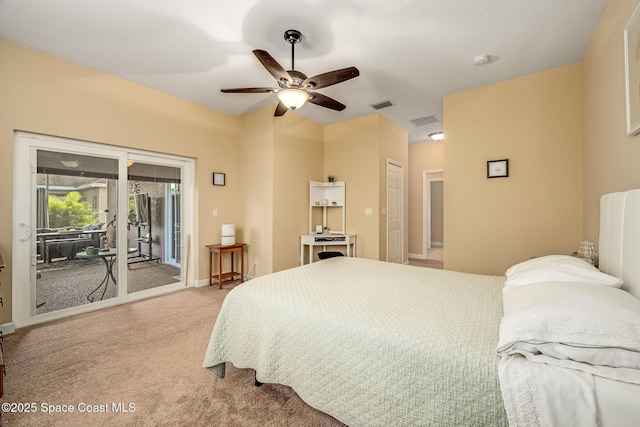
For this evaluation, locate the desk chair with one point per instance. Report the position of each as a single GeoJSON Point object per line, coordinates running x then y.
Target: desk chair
{"type": "Point", "coordinates": [329, 254]}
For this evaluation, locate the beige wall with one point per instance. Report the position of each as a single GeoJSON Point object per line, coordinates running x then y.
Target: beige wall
{"type": "Point", "coordinates": [277, 159]}
{"type": "Point", "coordinates": [356, 151]}
{"type": "Point", "coordinates": [299, 158]}
{"type": "Point", "coordinates": [424, 156]}
{"type": "Point", "coordinates": [43, 94]}
{"type": "Point", "coordinates": [351, 154]}
{"type": "Point", "coordinates": [255, 210]}
{"type": "Point", "coordinates": [611, 157]}
{"type": "Point", "coordinates": [536, 123]}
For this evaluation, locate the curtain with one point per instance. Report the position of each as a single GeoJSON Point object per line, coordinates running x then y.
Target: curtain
{"type": "Point", "coordinates": [142, 207]}
{"type": "Point", "coordinates": [42, 206]}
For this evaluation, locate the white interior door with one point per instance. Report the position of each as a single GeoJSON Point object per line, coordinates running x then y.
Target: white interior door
{"type": "Point", "coordinates": [395, 213]}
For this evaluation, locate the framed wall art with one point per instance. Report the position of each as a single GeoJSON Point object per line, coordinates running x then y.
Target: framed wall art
{"type": "Point", "coordinates": [218, 178]}
{"type": "Point", "coordinates": [498, 168]}
{"type": "Point", "coordinates": [632, 72]}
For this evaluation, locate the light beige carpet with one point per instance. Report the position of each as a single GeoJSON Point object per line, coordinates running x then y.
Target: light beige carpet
{"type": "Point", "coordinates": [146, 357]}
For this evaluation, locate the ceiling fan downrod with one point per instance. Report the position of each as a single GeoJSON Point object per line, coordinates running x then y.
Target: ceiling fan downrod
{"type": "Point", "coordinates": [293, 37]}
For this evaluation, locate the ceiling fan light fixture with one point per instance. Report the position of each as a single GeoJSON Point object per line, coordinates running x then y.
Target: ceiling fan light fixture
{"type": "Point", "coordinates": [293, 98]}
{"type": "Point", "coordinates": [70, 163]}
{"type": "Point", "coordinates": [437, 136]}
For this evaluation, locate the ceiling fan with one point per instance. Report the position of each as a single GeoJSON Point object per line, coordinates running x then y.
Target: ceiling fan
{"type": "Point", "coordinates": [295, 88]}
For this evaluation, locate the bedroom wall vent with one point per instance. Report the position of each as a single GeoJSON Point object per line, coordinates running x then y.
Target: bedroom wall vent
{"type": "Point", "coordinates": [427, 120]}
{"type": "Point", "coordinates": [381, 105]}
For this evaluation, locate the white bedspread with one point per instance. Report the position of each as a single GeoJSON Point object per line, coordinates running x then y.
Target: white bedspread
{"type": "Point", "coordinates": [371, 343]}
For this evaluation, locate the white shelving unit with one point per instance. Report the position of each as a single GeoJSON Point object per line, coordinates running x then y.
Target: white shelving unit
{"type": "Point", "coordinates": [324, 196]}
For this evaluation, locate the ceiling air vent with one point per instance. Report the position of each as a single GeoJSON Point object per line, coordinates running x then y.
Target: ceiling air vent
{"type": "Point", "coordinates": [383, 104]}
{"type": "Point", "coordinates": [428, 120]}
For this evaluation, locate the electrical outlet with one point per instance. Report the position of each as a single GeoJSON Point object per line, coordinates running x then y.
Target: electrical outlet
{"type": "Point", "coordinates": [256, 262]}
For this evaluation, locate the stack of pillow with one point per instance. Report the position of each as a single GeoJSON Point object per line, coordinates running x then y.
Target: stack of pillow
{"type": "Point", "coordinates": [562, 311]}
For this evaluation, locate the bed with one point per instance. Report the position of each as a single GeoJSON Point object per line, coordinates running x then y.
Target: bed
{"type": "Point", "coordinates": [374, 343]}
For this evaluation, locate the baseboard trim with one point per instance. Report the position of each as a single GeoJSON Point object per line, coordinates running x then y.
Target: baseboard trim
{"type": "Point", "coordinates": [205, 282]}
{"type": "Point", "coordinates": [417, 256]}
{"type": "Point", "coordinates": [8, 328]}
{"type": "Point", "coordinates": [200, 283]}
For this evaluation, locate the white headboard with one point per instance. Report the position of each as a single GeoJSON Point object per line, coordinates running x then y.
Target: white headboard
{"type": "Point", "coordinates": [619, 245]}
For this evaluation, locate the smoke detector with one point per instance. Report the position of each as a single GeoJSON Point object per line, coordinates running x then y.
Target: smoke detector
{"type": "Point", "coordinates": [481, 60]}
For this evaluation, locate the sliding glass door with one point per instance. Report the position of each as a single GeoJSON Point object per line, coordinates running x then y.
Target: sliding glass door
{"type": "Point", "coordinates": [154, 217]}
{"type": "Point", "coordinates": [95, 226]}
{"type": "Point", "coordinates": [75, 263]}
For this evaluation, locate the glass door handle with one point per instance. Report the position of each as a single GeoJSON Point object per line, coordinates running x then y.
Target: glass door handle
{"type": "Point", "coordinates": [25, 231]}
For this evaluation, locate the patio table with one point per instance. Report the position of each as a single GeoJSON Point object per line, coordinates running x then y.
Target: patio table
{"type": "Point", "coordinates": [109, 258]}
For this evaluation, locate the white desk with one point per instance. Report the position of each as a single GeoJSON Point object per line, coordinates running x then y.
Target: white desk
{"type": "Point", "coordinates": [324, 240]}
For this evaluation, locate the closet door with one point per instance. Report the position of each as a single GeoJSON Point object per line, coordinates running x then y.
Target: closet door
{"type": "Point", "coordinates": [395, 215]}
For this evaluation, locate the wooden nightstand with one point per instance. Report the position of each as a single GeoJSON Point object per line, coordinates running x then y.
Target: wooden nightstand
{"type": "Point", "coordinates": [221, 250]}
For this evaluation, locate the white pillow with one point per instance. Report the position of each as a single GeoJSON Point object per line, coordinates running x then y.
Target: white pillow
{"type": "Point", "coordinates": [558, 268]}
{"type": "Point", "coordinates": [594, 329]}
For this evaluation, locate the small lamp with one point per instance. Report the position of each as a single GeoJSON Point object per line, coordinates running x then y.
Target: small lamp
{"type": "Point", "coordinates": [293, 98]}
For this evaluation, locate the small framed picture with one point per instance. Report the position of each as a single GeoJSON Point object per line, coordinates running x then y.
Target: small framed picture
{"type": "Point", "coordinates": [218, 178]}
{"type": "Point", "coordinates": [498, 168]}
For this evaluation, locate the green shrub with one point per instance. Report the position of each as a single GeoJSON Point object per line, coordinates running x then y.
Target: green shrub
{"type": "Point", "coordinates": [70, 212]}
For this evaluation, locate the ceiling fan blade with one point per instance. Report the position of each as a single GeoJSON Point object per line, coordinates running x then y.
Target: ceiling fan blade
{"type": "Point", "coordinates": [249, 90]}
{"type": "Point", "coordinates": [325, 101]}
{"type": "Point", "coordinates": [331, 78]}
{"type": "Point", "coordinates": [280, 110]}
{"type": "Point", "coordinates": [272, 65]}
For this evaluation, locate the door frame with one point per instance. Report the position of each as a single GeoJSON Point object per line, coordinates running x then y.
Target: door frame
{"type": "Point", "coordinates": [24, 220]}
{"type": "Point", "coordinates": [169, 230]}
{"type": "Point", "coordinates": [426, 207]}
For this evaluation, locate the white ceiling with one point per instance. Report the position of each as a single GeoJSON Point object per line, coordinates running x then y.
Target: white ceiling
{"type": "Point", "coordinates": [409, 52]}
